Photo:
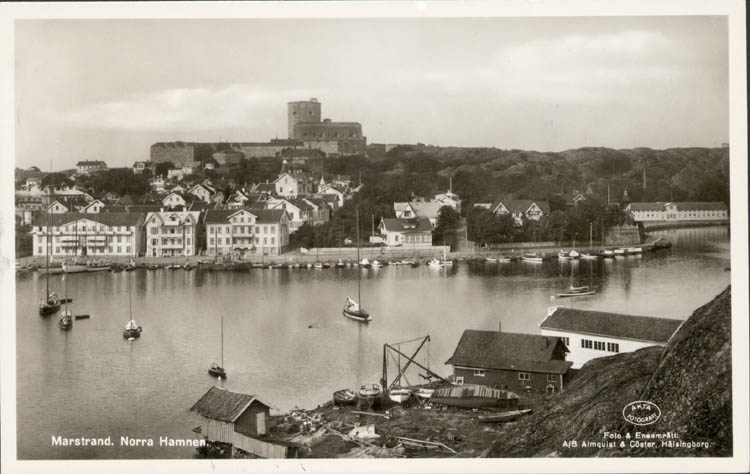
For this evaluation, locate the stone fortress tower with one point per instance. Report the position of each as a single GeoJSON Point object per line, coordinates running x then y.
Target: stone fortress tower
{"type": "Point", "coordinates": [334, 138]}
{"type": "Point", "coordinates": [302, 111]}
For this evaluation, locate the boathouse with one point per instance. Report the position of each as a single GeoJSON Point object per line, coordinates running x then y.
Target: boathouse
{"type": "Point", "coordinates": [593, 334]}
{"type": "Point", "coordinates": [241, 420]}
{"type": "Point", "coordinates": [511, 361]}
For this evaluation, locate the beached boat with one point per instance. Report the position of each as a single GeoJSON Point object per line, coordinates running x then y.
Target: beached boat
{"type": "Point", "coordinates": [344, 397]}
{"type": "Point", "coordinates": [506, 417]}
{"type": "Point", "coordinates": [424, 393]}
{"type": "Point", "coordinates": [369, 391]}
{"type": "Point", "coordinates": [474, 396]}
{"type": "Point", "coordinates": [399, 394]}
{"type": "Point", "coordinates": [218, 370]}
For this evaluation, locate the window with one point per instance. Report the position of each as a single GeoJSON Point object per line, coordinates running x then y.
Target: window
{"type": "Point", "coordinates": [218, 230]}
{"type": "Point", "coordinates": [523, 376]}
{"type": "Point", "coordinates": [551, 377]}
{"type": "Point", "coordinates": [613, 347]}
{"type": "Point", "coordinates": [598, 345]}
{"type": "Point", "coordinates": [566, 340]}
{"type": "Point", "coordinates": [479, 373]}
{"type": "Point", "coordinates": [211, 241]}
{"type": "Point", "coordinates": [459, 380]}
{"type": "Point", "coordinates": [265, 240]}
{"type": "Point", "coordinates": [119, 249]}
{"type": "Point", "coordinates": [39, 250]}
{"type": "Point", "coordinates": [587, 344]}
{"type": "Point", "coordinates": [273, 240]}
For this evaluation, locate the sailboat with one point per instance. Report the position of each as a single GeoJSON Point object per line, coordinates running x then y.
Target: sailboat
{"type": "Point", "coordinates": [50, 303]}
{"type": "Point", "coordinates": [66, 318]}
{"type": "Point", "coordinates": [132, 330]}
{"type": "Point", "coordinates": [585, 290]}
{"type": "Point", "coordinates": [218, 370]}
{"type": "Point", "coordinates": [353, 309]}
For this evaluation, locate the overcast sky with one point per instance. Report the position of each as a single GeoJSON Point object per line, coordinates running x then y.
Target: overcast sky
{"type": "Point", "coordinates": [108, 89]}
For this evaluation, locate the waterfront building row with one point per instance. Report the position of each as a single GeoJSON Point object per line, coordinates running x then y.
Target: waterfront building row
{"type": "Point", "coordinates": [678, 211]}
{"type": "Point", "coordinates": [227, 232]}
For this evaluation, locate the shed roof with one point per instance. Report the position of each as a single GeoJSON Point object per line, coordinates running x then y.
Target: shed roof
{"type": "Point", "coordinates": [626, 326]}
{"type": "Point", "coordinates": [508, 351]}
{"type": "Point", "coordinates": [701, 206]}
{"type": "Point", "coordinates": [222, 405]}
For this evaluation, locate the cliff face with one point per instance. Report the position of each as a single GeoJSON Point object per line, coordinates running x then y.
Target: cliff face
{"type": "Point", "coordinates": [689, 380]}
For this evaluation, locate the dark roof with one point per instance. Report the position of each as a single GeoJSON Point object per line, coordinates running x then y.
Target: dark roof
{"type": "Point", "coordinates": [91, 163]}
{"type": "Point", "coordinates": [508, 351]}
{"type": "Point", "coordinates": [418, 224]}
{"type": "Point", "coordinates": [700, 206]}
{"type": "Point", "coordinates": [220, 216]}
{"type": "Point", "coordinates": [523, 205]}
{"type": "Point", "coordinates": [646, 206]}
{"type": "Point", "coordinates": [626, 326]}
{"type": "Point", "coordinates": [118, 219]}
{"type": "Point", "coordinates": [222, 405]}
{"type": "Point", "coordinates": [269, 187]}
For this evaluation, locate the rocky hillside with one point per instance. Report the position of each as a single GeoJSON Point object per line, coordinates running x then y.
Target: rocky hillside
{"type": "Point", "coordinates": [689, 380]}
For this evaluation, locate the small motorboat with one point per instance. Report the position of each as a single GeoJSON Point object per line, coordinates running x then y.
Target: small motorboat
{"type": "Point", "coordinates": [344, 397]}
{"type": "Point", "coordinates": [132, 330]}
{"type": "Point", "coordinates": [572, 294]}
{"type": "Point", "coordinates": [399, 394]}
{"type": "Point", "coordinates": [369, 391]}
{"type": "Point", "coordinates": [532, 257]}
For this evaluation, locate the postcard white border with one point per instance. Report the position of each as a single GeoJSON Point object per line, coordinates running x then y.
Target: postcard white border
{"type": "Point", "coordinates": [734, 9]}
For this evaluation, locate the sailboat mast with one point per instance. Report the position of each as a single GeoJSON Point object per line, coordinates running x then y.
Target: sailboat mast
{"type": "Point", "coordinates": [130, 299]}
{"type": "Point", "coordinates": [359, 272]}
{"type": "Point", "coordinates": [222, 341]}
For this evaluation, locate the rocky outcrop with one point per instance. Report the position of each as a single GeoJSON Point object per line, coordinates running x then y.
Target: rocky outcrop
{"type": "Point", "coordinates": [689, 380]}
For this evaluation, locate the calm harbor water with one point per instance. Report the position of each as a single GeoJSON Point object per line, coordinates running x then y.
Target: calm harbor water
{"type": "Point", "coordinates": [91, 382]}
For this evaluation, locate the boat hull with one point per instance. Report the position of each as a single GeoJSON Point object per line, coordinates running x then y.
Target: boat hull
{"type": "Point", "coordinates": [399, 396]}
{"type": "Point", "coordinates": [574, 294]}
{"type": "Point", "coordinates": [47, 309]}
{"type": "Point", "coordinates": [218, 372]}
{"type": "Point", "coordinates": [361, 316]}
{"type": "Point", "coordinates": [344, 397]}
{"type": "Point", "coordinates": [132, 333]}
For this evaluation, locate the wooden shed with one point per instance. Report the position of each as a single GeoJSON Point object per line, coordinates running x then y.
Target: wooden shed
{"type": "Point", "coordinates": [238, 419]}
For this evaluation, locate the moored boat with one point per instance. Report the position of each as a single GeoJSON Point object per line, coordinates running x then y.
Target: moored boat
{"type": "Point", "coordinates": [66, 320]}
{"type": "Point", "coordinates": [608, 253]}
{"type": "Point", "coordinates": [634, 250]}
{"type": "Point", "coordinates": [433, 262]}
{"type": "Point", "coordinates": [218, 370]}
{"type": "Point", "coordinates": [340, 264]}
{"type": "Point", "coordinates": [620, 252]}
{"type": "Point", "coordinates": [354, 311]}
{"type": "Point", "coordinates": [572, 294]}
{"type": "Point", "coordinates": [364, 263]}
{"type": "Point", "coordinates": [532, 257]}
{"type": "Point", "coordinates": [132, 330]}
{"type": "Point", "coordinates": [376, 264]}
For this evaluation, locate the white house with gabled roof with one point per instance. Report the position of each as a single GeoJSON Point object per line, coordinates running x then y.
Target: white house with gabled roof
{"type": "Point", "coordinates": [172, 233]}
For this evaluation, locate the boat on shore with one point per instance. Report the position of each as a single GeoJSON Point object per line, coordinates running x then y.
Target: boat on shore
{"type": "Point", "coordinates": [344, 397]}
{"type": "Point", "coordinates": [474, 396]}
{"type": "Point", "coordinates": [370, 391]}
{"type": "Point", "coordinates": [424, 393]}
{"type": "Point", "coordinates": [506, 417]}
{"type": "Point", "coordinates": [399, 394]}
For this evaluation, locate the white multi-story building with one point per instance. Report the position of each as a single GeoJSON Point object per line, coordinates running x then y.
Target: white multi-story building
{"type": "Point", "coordinates": [246, 232]}
{"type": "Point", "coordinates": [172, 233]}
{"type": "Point", "coordinates": [678, 211]}
{"type": "Point", "coordinates": [104, 234]}
{"type": "Point", "coordinates": [592, 334]}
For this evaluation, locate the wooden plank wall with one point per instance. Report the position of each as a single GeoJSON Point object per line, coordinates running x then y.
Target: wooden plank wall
{"type": "Point", "coordinates": [258, 447]}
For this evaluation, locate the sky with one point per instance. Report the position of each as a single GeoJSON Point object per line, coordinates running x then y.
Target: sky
{"type": "Point", "coordinates": [108, 89]}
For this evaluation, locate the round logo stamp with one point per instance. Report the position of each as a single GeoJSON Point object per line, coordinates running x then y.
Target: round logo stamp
{"type": "Point", "coordinates": [641, 413]}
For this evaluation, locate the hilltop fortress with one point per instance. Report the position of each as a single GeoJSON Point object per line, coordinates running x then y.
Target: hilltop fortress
{"type": "Point", "coordinates": [306, 131]}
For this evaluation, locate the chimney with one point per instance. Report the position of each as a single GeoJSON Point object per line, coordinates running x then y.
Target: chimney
{"type": "Point", "coordinates": [499, 326]}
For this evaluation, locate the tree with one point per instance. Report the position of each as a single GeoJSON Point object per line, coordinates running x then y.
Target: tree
{"type": "Point", "coordinates": [56, 179]}
{"type": "Point", "coordinates": [447, 223]}
{"type": "Point", "coordinates": [161, 168]}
